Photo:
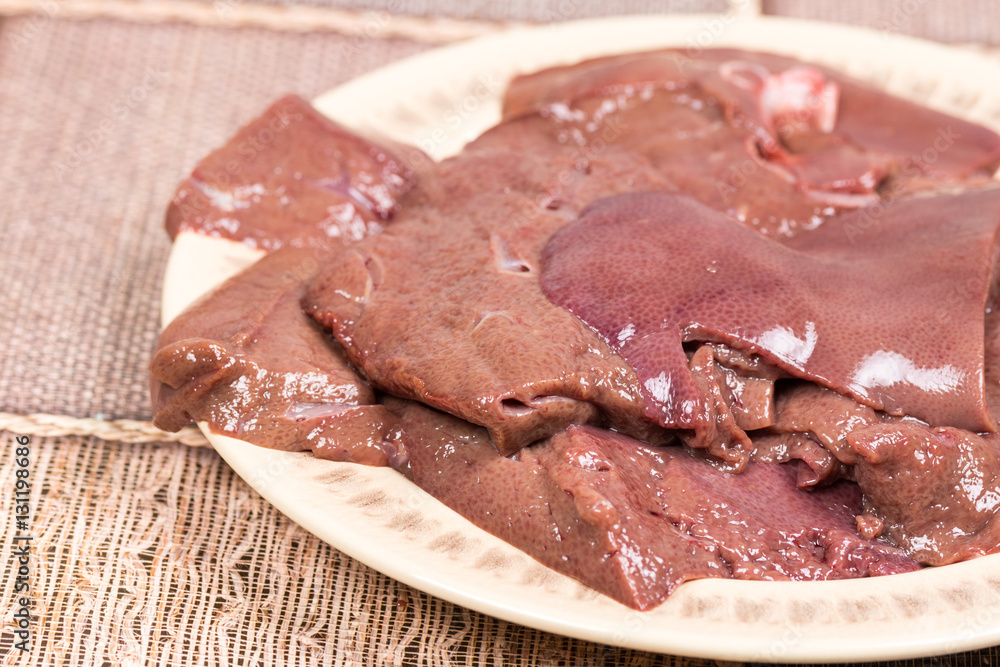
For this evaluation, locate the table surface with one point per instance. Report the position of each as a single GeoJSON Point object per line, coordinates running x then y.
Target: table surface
{"type": "Point", "coordinates": [147, 551]}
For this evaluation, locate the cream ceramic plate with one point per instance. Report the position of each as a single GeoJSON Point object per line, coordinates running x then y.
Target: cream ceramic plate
{"type": "Point", "coordinates": [438, 101]}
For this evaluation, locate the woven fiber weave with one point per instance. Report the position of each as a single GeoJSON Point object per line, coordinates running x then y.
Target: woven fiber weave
{"type": "Point", "coordinates": [962, 21]}
{"type": "Point", "coordinates": [148, 552]}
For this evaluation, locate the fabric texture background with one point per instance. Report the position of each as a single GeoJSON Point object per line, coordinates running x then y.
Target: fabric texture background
{"type": "Point", "coordinates": [525, 10]}
{"type": "Point", "coordinates": [962, 21]}
{"type": "Point", "coordinates": [158, 553]}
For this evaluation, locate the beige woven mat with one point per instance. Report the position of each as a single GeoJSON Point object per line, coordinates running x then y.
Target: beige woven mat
{"type": "Point", "coordinates": [157, 553]}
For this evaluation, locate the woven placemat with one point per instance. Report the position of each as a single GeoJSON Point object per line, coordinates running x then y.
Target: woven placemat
{"type": "Point", "coordinates": [959, 21]}
{"type": "Point", "coordinates": [154, 552]}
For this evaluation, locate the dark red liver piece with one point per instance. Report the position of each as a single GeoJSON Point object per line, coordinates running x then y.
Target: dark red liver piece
{"type": "Point", "coordinates": [634, 521]}
{"type": "Point", "coordinates": [248, 361]}
{"type": "Point", "coordinates": [777, 98]}
{"type": "Point", "coordinates": [444, 306]}
{"type": "Point", "coordinates": [291, 177]}
{"type": "Point", "coordinates": [932, 491]}
{"type": "Point", "coordinates": [894, 318]}
{"type": "Point", "coordinates": [777, 143]}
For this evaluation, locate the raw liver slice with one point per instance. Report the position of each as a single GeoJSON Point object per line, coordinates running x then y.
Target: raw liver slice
{"type": "Point", "coordinates": [635, 521]}
{"type": "Point", "coordinates": [816, 465]}
{"type": "Point", "coordinates": [762, 91]}
{"type": "Point", "coordinates": [774, 142]}
{"type": "Point", "coordinates": [733, 404]}
{"type": "Point", "coordinates": [894, 319]}
{"type": "Point", "coordinates": [445, 308]}
{"type": "Point", "coordinates": [686, 134]}
{"type": "Point", "coordinates": [933, 491]}
{"type": "Point", "coordinates": [811, 425]}
{"type": "Point", "coordinates": [247, 359]}
{"type": "Point", "coordinates": [825, 415]}
{"type": "Point", "coordinates": [292, 177]}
